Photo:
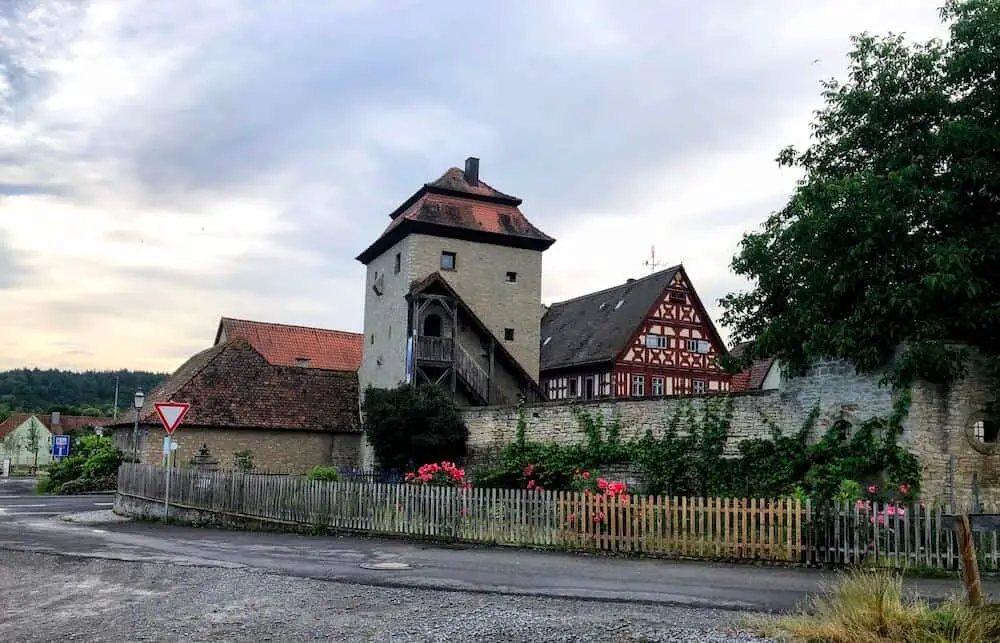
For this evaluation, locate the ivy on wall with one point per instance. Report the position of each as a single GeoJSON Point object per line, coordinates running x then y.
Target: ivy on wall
{"type": "Point", "coordinates": [688, 458]}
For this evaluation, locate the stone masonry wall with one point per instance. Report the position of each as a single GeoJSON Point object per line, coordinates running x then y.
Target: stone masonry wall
{"type": "Point", "coordinates": [275, 451]}
{"type": "Point", "coordinates": [955, 468]}
{"type": "Point", "coordinates": [839, 392]}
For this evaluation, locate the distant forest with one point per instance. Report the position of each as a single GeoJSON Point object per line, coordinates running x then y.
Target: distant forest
{"type": "Point", "coordinates": [71, 393]}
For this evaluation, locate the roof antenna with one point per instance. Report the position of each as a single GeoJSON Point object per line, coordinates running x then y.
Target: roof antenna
{"type": "Point", "coordinates": [652, 263]}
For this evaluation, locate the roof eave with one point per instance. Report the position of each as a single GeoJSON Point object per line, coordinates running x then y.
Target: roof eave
{"type": "Point", "coordinates": [393, 236]}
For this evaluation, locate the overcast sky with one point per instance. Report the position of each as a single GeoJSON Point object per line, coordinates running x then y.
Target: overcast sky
{"type": "Point", "coordinates": [165, 163]}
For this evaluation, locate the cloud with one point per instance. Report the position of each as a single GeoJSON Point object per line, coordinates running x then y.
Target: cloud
{"type": "Point", "coordinates": [162, 164]}
{"type": "Point", "coordinates": [13, 266]}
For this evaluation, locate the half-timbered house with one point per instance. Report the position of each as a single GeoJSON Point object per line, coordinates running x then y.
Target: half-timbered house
{"type": "Point", "coordinates": [648, 337]}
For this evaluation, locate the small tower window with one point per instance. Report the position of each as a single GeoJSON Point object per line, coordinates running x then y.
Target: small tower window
{"type": "Point", "coordinates": [448, 260]}
{"type": "Point", "coordinates": [508, 334]}
{"type": "Point", "coordinates": [511, 277]}
{"type": "Point", "coordinates": [432, 325]}
{"type": "Point", "coordinates": [398, 264]}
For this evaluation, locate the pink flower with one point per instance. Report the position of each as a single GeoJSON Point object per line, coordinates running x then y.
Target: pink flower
{"type": "Point", "coordinates": [872, 488]}
{"type": "Point", "coordinates": [602, 484]}
{"type": "Point", "coordinates": [528, 470]}
{"type": "Point", "coordinates": [586, 475]}
{"type": "Point", "coordinates": [904, 489]}
{"type": "Point", "coordinates": [860, 504]}
{"type": "Point", "coordinates": [531, 484]}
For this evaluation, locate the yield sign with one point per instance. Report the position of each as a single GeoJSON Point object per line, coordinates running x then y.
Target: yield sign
{"type": "Point", "coordinates": [171, 414]}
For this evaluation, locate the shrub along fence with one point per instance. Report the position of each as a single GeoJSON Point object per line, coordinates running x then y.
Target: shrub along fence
{"type": "Point", "coordinates": [786, 530]}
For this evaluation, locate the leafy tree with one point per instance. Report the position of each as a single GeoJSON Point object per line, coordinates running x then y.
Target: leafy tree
{"type": "Point", "coordinates": [33, 440]}
{"type": "Point", "coordinates": [85, 393]}
{"type": "Point", "coordinates": [413, 425]}
{"type": "Point", "coordinates": [892, 237]}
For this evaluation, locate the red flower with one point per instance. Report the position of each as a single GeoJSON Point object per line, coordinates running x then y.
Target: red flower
{"type": "Point", "coordinates": [528, 470]}
{"type": "Point", "coordinates": [586, 475]}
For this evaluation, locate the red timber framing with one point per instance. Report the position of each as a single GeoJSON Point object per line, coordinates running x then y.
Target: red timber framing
{"type": "Point", "coordinates": [675, 349]}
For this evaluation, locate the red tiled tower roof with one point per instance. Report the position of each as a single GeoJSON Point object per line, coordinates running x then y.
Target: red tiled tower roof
{"type": "Point", "coordinates": [459, 205]}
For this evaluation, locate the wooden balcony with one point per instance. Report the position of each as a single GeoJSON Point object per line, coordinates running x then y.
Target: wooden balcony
{"type": "Point", "coordinates": [433, 349]}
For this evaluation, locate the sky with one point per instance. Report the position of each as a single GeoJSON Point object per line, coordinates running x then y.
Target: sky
{"type": "Point", "coordinates": [163, 164]}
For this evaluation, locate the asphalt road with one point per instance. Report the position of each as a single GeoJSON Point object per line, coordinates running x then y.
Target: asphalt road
{"type": "Point", "coordinates": [18, 501]}
{"type": "Point", "coordinates": [416, 566]}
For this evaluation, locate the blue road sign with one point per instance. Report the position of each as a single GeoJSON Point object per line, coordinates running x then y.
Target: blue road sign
{"type": "Point", "coordinates": [60, 446]}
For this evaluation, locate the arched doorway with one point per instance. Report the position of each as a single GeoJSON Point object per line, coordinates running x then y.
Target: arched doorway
{"type": "Point", "coordinates": [432, 325]}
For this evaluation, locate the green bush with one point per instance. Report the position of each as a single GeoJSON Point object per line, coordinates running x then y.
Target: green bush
{"type": "Point", "coordinates": [411, 425]}
{"type": "Point", "coordinates": [93, 462]}
{"type": "Point", "coordinates": [89, 485]}
{"type": "Point", "coordinates": [326, 474]}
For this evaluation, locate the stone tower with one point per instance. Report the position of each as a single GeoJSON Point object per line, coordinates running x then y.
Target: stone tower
{"type": "Point", "coordinates": [475, 239]}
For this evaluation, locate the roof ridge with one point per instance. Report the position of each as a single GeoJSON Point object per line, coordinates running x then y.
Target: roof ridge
{"type": "Point", "coordinates": [622, 285]}
{"type": "Point", "coordinates": [267, 323]}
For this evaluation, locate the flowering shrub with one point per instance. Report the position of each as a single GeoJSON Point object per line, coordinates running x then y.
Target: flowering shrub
{"type": "Point", "coordinates": [443, 474]}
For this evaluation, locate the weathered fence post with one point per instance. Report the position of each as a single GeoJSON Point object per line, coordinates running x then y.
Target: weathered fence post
{"type": "Point", "coordinates": [970, 566]}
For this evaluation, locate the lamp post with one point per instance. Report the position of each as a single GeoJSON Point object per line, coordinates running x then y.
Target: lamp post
{"type": "Point", "coordinates": [140, 397]}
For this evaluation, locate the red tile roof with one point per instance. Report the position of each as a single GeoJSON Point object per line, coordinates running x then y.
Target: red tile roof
{"type": "Point", "coordinates": [283, 344]}
{"type": "Point", "coordinates": [67, 423]}
{"type": "Point", "coordinates": [232, 385]}
{"type": "Point", "coordinates": [452, 206]}
{"type": "Point", "coordinates": [752, 378]}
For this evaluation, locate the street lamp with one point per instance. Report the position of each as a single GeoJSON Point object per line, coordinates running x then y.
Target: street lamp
{"type": "Point", "coordinates": [140, 397]}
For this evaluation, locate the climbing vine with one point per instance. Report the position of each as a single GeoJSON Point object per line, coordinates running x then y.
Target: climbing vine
{"type": "Point", "coordinates": [689, 456]}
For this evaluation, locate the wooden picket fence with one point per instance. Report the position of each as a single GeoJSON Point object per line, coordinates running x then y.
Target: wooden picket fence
{"type": "Point", "coordinates": [787, 530]}
{"type": "Point", "coordinates": [717, 528]}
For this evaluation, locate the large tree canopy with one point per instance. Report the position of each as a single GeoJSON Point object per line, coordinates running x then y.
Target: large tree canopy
{"type": "Point", "coordinates": [892, 237]}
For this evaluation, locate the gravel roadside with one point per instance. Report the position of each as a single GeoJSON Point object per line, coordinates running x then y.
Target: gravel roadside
{"type": "Point", "coordinates": [48, 598]}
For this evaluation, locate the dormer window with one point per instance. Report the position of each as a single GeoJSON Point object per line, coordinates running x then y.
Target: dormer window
{"type": "Point", "coordinates": [302, 362]}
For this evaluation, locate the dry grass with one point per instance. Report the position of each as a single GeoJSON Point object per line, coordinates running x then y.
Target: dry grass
{"type": "Point", "coordinates": [868, 607]}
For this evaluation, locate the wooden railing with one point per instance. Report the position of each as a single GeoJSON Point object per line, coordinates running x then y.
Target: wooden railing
{"type": "Point", "coordinates": [472, 373]}
{"type": "Point", "coordinates": [434, 349]}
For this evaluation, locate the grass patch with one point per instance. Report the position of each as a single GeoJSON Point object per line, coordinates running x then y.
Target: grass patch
{"type": "Point", "coordinates": [868, 606]}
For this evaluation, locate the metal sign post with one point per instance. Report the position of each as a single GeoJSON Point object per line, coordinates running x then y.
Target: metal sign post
{"type": "Point", "coordinates": [171, 415]}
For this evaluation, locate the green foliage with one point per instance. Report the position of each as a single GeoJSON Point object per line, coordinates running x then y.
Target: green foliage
{"type": "Point", "coordinates": [412, 425]}
{"type": "Point", "coordinates": [892, 238]}
{"type": "Point", "coordinates": [86, 393]}
{"type": "Point", "coordinates": [243, 460]}
{"type": "Point", "coordinates": [326, 474]}
{"type": "Point", "coordinates": [92, 462]}
{"type": "Point", "coordinates": [688, 457]}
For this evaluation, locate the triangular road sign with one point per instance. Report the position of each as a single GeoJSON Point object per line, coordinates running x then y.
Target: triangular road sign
{"type": "Point", "coordinates": [171, 414]}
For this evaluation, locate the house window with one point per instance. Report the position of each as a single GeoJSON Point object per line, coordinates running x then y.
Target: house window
{"type": "Point", "coordinates": [508, 334]}
{"type": "Point", "coordinates": [604, 385]}
{"type": "Point", "coordinates": [657, 387]}
{"type": "Point", "coordinates": [697, 386]}
{"type": "Point", "coordinates": [572, 386]}
{"type": "Point", "coordinates": [372, 340]}
{"type": "Point", "coordinates": [638, 385]}
{"type": "Point", "coordinates": [399, 262]}
{"type": "Point", "coordinates": [676, 298]}
{"type": "Point", "coordinates": [702, 346]}
{"type": "Point", "coordinates": [697, 346]}
{"type": "Point", "coordinates": [691, 345]}
{"type": "Point", "coordinates": [448, 260]}
{"type": "Point", "coordinates": [511, 277]}
{"type": "Point", "coordinates": [656, 341]}
{"type": "Point", "coordinates": [985, 431]}
{"type": "Point", "coordinates": [302, 362]}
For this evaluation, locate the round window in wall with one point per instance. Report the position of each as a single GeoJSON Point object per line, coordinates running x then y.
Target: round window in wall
{"type": "Point", "coordinates": [984, 434]}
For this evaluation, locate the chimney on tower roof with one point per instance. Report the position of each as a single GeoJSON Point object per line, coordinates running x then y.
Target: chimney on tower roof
{"type": "Point", "coordinates": [472, 170]}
